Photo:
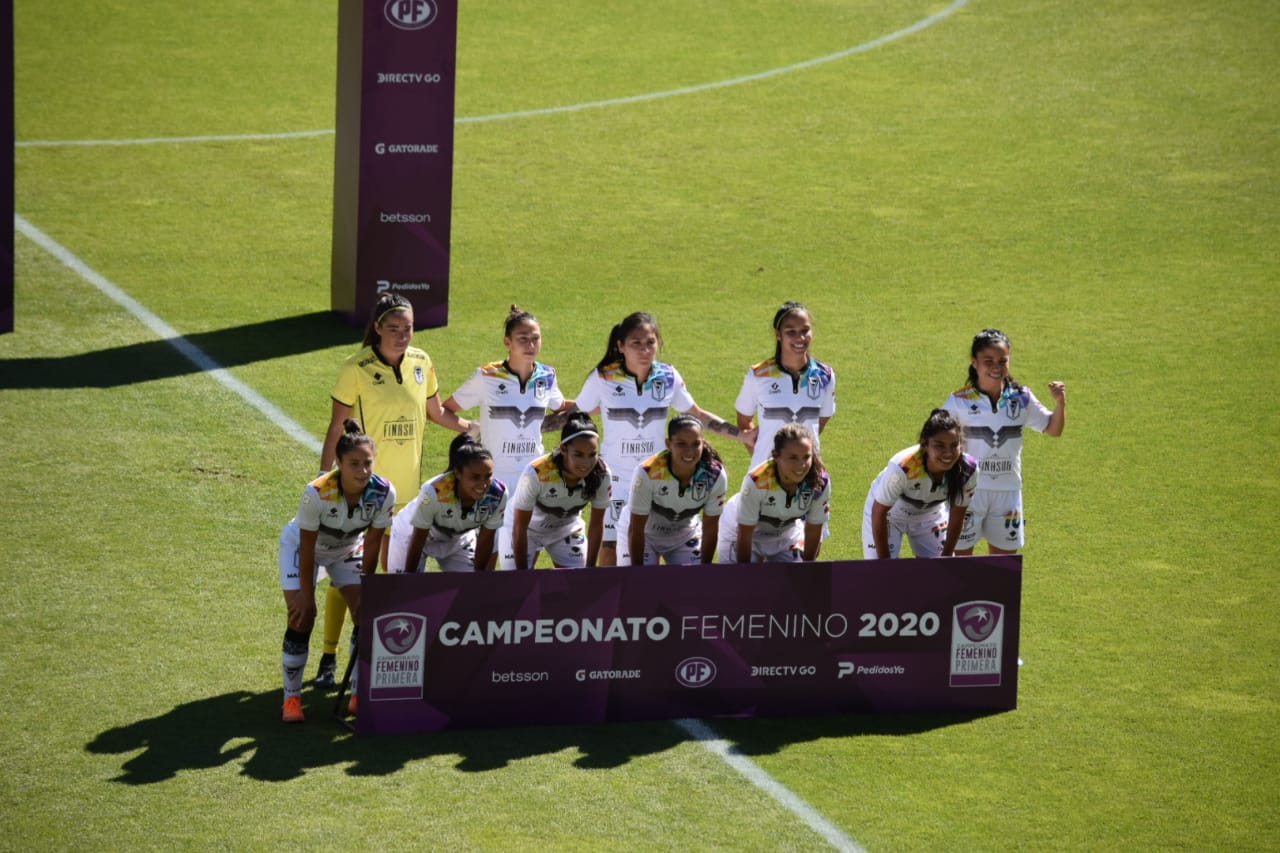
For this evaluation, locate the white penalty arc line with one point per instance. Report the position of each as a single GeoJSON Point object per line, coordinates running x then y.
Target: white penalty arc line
{"type": "Point", "coordinates": [923, 23]}
{"type": "Point", "coordinates": [696, 729]}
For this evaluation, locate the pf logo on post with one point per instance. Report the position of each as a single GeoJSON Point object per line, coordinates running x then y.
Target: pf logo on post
{"type": "Point", "coordinates": [695, 672]}
{"type": "Point", "coordinates": [410, 14]}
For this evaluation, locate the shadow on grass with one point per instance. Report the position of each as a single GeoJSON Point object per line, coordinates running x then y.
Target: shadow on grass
{"type": "Point", "coordinates": [232, 347]}
{"type": "Point", "coordinates": [221, 729]}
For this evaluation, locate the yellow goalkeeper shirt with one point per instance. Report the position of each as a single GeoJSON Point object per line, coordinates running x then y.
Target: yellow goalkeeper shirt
{"type": "Point", "coordinates": [391, 405]}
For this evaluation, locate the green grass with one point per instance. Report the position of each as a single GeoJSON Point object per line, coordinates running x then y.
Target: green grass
{"type": "Point", "coordinates": [1098, 180]}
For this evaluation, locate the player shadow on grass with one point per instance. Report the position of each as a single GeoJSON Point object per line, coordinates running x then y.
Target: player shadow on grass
{"type": "Point", "coordinates": [245, 727]}
{"type": "Point", "coordinates": [142, 362]}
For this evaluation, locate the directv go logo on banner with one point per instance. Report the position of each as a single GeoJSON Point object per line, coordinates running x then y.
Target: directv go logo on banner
{"type": "Point", "coordinates": [410, 14]}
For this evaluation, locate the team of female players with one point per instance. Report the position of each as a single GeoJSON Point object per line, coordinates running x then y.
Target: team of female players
{"type": "Point", "coordinates": [657, 490]}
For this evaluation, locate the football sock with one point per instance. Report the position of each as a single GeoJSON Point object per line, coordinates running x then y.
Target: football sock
{"type": "Point", "coordinates": [293, 660]}
{"type": "Point", "coordinates": [335, 614]}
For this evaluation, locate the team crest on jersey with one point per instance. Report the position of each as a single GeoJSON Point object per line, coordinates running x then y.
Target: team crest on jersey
{"type": "Point", "coordinates": [701, 489]}
{"type": "Point", "coordinates": [1013, 408]}
{"type": "Point", "coordinates": [418, 375]}
{"type": "Point", "coordinates": [659, 388]}
{"type": "Point", "coordinates": [803, 498]}
{"type": "Point", "coordinates": [615, 509]}
{"type": "Point", "coordinates": [540, 389]}
{"type": "Point", "coordinates": [815, 386]}
{"type": "Point", "coordinates": [368, 510]}
{"type": "Point", "coordinates": [483, 511]}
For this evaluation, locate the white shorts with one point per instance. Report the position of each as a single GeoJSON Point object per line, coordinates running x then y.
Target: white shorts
{"type": "Point", "coordinates": [343, 569]}
{"type": "Point", "coordinates": [786, 547]}
{"type": "Point", "coordinates": [454, 553]}
{"type": "Point", "coordinates": [682, 548]}
{"type": "Point", "coordinates": [995, 516]}
{"type": "Point", "coordinates": [924, 530]}
{"type": "Point", "coordinates": [565, 545]}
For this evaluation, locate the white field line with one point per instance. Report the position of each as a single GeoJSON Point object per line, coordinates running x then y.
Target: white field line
{"type": "Point", "coordinates": [696, 729]}
{"type": "Point", "coordinates": [923, 23]}
{"type": "Point", "coordinates": [754, 774]}
{"type": "Point", "coordinates": [190, 351]}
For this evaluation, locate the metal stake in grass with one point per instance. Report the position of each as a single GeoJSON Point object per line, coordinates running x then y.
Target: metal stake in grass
{"type": "Point", "coordinates": [339, 707]}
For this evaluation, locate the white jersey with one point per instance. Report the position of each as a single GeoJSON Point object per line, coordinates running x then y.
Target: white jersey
{"type": "Point", "coordinates": [511, 413]}
{"type": "Point", "coordinates": [440, 509]}
{"type": "Point", "coordinates": [905, 484]}
{"type": "Point", "coordinates": [339, 527]}
{"type": "Point", "coordinates": [436, 508]}
{"type": "Point", "coordinates": [776, 397]}
{"type": "Point", "coordinates": [765, 505]}
{"type": "Point", "coordinates": [634, 417]}
{"type": "Point", "coordinates": [554, 505]}
{"type": "Point", "coordinates": [993, 431]}
{"type": "Point", "coordinates": [674, 513]}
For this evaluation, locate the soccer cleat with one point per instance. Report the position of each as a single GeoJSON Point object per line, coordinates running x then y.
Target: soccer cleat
{"type": "Point", "coordinates": [351, 706]}
{"type": "Point", "coordinates": [293, 710]}
{"type": "Point", "coordinates": [326, 675]}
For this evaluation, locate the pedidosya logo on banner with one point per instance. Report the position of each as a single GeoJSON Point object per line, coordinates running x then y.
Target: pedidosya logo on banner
{"type": "Point", "coordinates": [398, 664]}
{"type": "Point", "coordinates": [977, 633]}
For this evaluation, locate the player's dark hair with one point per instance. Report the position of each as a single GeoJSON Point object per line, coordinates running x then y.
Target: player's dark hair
{"type": "Point", "coordinates": [982, 340]}
{"type": "Point", "coordinates": [618, 335]}
{"type": "Point", "coordinates": [787, 309]}
{"type": "Point", "coordinates": [352, 436]}
{"type": "Point", "coordinates": [709, 457]}
{"type": "Point", "coordinates": [516, 317]}
{"type": "Point", "coordinates": [940, 420]}
{"type": "Point", "coordinates": [387, 303]}
{"type": "Point", "coordinates": [575, 425]}
{"type": "Point", "coordinates": [797, 432]}
{"type": "Point", "coordinates": [464, 450]}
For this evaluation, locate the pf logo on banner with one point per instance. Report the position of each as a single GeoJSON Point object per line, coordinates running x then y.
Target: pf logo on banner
{"type": "Point", "coordinates": [399, 656]}
{"type": "Point", "coordinates": [695, 672]}
{"type": "Point", "coordinates": [977, 640]}
{"type": "Point", "coordinates": [410, 14]}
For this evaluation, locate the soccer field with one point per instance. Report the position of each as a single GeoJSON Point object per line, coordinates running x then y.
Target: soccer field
{"type": "Point", "coordinates": [1100, 181]}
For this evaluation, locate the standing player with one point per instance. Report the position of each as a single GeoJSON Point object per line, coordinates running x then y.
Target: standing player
{"type": "Point", "coordinates": [634, 393]}
{"type": "Point", "coordinates": [923, 493]}
{"type": "Point", "coordinates": [454, 517]}
{"type": "Point", "coordinates": [551, 495]}
{"type": "Point", "coordinates": [793, 387]}
{"type": "Point", "coordinates": [993, 409]}
{"type": "Point", "coordinates": [338, 528]}
{"type": "Point", "coordinates": [784, 503]}
{"type": "Point", "coordinates": [676, 500]}
{"type": "Point", "coordinates": [391, 387]}
{"type": "Point", "coordinates": [514, 396]}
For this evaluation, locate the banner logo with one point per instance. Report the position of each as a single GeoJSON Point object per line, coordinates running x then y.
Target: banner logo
{"type": "Point", "coordinates": [695, 672]}
{"type": "Point", "coordinates": [977, 633]}
{"type": "Point", "coordinates": [398, 663]}
{"type": "Point", "coordinates": [410, 14]}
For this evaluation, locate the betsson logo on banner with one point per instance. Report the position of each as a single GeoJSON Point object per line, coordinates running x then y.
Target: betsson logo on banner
{"type": "Point", "coordinates": [410, 14]}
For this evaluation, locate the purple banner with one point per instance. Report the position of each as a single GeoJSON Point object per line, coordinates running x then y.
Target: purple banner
{"type": "Point", "coordinates": [454, 650]}
{"type": "Point", "coordinates": [393, 176]}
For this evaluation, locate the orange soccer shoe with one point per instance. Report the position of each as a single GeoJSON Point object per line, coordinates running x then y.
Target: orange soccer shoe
{"type": "Point", "coordinates": [351, 706]}
{"type": "Point", "coordinates": [293, 710]}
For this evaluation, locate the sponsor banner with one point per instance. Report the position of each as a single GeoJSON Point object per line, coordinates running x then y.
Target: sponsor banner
{"type": "Point", "coordinates": [455, 650]}
{"type": "Point", "coordinates": [393, 176]}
